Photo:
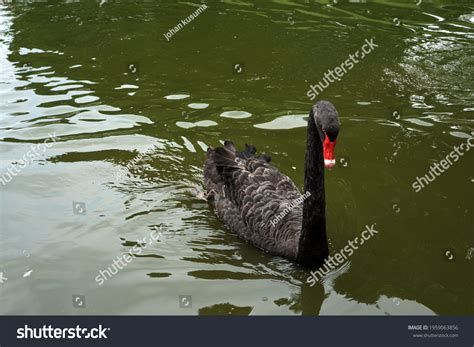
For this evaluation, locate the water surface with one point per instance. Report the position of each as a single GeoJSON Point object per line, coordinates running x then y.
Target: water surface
{"type": "Point", "coordinates": [133, 114]}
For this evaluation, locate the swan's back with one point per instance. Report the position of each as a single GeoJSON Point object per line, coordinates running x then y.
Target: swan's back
{"type": "Point", "coordinates": [248, 193]}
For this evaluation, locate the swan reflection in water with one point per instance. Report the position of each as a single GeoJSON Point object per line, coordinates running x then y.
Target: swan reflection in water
{"type": "Point", "coordinates": [307, 302]}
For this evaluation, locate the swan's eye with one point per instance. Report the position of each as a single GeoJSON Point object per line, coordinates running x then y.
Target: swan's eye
{"type": "Point", "coordinates": [328, 151]}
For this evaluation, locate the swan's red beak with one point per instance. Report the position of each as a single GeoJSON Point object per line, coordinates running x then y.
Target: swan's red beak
{"type": "Point", "coordinates": [329, 158]}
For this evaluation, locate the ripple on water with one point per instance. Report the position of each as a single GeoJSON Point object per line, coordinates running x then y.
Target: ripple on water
{"type": "Point", "coordinates": [198, 106]}
{"type": "Point", "coordinates": [438, 116]}
{"type": "Point", "coordinates": [53, 81]}
{"type": "Point", "coordinates": [176, 96]}
{"type": "Point", "coordinates": [25, 51]}
{"type": "Point", "coordinates": [203, 145]}
{"type": "Point", "coordinates": [285, 122]}
{"type": "Point", "coordinates": [236, 114]}
{"type": "Point", "coordinates": [201, 123]}
{"type": "Point", "coordinates": [127, 86]}
{"type": "Point", "coordinates": [460, 134]}
{"type": "Point", "coordinates": [189, 146]}
{"type": "Point", "coordinates": [87, 122]}
{"type": "Point", "coordinates": [66, 87]}
{"type": "Point", "coordinates": [419, 122]}
{"type": "Point", "coordinates": [467, 17]}
{"type": "Point", "coordinates": [86, 99]}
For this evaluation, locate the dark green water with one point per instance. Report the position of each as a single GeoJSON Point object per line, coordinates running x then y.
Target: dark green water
{"type": "Point", "coordinates": [99, 77]}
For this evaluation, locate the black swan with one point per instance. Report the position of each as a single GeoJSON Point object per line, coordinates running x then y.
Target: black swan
{"type": "Point", "coordinates": [263, 206]}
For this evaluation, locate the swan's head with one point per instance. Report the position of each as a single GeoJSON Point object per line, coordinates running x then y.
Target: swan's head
{"type": "Point", "coordinates": [328, 125]}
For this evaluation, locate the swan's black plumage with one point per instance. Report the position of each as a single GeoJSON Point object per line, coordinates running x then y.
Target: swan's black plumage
{"type": "Point", "coordinates": [248, 193]}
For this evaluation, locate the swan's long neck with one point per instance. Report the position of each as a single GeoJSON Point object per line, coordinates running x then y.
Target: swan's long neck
{"type": "Point", "coordinates": [313, 245]}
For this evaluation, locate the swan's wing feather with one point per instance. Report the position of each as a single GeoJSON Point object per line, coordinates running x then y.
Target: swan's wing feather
{"type": "Point", "coordinates": [249, 193]}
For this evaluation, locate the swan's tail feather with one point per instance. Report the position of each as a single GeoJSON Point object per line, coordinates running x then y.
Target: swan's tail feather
{"type": "Point", "coordinates": [230, 146]}
{"type": "Point", "coordinates": [225, 166]}
{"type": "Point", "coordinates": [224, 160]}
{"type": "Point", "coordinates": [248, 153]}
{"type": "Point", "coordinates": [220, 164]}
